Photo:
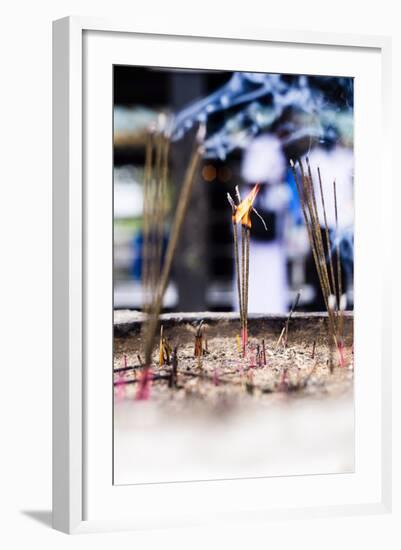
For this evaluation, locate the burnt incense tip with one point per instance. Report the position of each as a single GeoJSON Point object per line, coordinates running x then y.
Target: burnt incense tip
{"type": "Point", "coordinates": [343, 302]}
{"type": "Point", "coordinates": [292, 163]}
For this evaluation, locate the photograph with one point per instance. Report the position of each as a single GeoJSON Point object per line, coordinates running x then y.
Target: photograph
{"type": "Point", "coordinates": [233, 262]}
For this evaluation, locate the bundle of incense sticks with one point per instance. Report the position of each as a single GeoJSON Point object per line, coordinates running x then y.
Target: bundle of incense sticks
{"type": "Point", "coordinates": [154, 206]}
{"type": "Point", "coordinates": [156, 272]}
{"type": "Point", "coordinates": [154, 209]}
{"type": "Point", "coordinates": [330, 283]}
{"type": "Point", "coordinates": [241, 213]}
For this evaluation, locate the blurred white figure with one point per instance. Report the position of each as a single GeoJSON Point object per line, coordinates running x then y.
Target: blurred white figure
{"type": "Point", "coordinates": [336, 164]}
{"type": "Point", "coordinates": [264, 162]}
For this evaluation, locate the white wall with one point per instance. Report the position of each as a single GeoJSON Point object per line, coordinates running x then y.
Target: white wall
{"type": "Point", "coordinates": [25, 133]}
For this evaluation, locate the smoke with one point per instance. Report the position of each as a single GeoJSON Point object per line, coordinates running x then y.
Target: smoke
{"type": "Point", "coordinates": [253, 102]}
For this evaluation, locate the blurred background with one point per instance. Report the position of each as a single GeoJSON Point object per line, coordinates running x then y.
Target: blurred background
{"type": "Point", "coordinates": [255, 124]}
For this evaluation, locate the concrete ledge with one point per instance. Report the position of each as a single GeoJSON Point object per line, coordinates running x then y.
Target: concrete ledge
{"type": "Point", "coordinates": [126, 321]}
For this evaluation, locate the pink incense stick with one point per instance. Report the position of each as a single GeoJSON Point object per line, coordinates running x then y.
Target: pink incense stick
{"type": "Point", "coordinates": [144, 384]}
{"type": "Point", "coordinates": [341, 353]}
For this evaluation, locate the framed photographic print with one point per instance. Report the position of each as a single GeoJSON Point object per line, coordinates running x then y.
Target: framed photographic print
{"type": "Point", "coordinates": [220, 275]}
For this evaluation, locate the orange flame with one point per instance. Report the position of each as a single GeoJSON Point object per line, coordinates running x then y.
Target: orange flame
{"type": "Point", "coordinates": [244, 209]}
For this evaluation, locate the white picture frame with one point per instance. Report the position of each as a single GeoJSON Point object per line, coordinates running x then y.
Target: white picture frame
{"type": "Point", "coordinates": [72, 426]}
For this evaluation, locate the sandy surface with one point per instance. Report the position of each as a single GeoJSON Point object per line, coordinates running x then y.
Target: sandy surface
{"type": "Point", "coordinates": [229, 416]}
{"type": "Point", "coordinates": [305, 366]}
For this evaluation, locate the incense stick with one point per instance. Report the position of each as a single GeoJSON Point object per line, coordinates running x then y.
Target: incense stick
{"type": "Point", "coordinates": [147, 216]}
{"type": "Point", "coordinates": [198, 351]}
{"type": "Point", "coordinates": [247, 247]}
{"type": "Point", "coordinates": [308, 225]}
{"type": "Point", "coordinates": [326, 229]}
{"type": "Point", "coordinates": [284, 331]}
{"type": "Point", "coordinates": [241, 214]}
{"type": "Point", "coordinates": [306, 193]}
{"type": "Point", "coordinates": [181, 209]}
{"type": "Point", "coordinates": [236, 255]}
{"type": "Point", "coordinates": [264, 352]}
{"type": "Point", "coordinates": [294, 306]}
{"type": "Point", "coordinates": [305, 187]}
{"type": "Point", "coordinates": [337, 244]}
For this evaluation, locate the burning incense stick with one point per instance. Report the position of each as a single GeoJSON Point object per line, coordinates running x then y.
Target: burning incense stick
{"type": "Point", "coordinates": [241, 213]}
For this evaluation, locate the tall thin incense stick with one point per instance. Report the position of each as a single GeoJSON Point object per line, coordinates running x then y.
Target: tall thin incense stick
{"type": "Point", "coordinates": [309, 228]}
{"type": "Point", "coordinates": [236, 255]}
{"type": "Point", "coordinates": [147, 182]}
{"type": "Point", "coordinates": [293, 308]}
{"type": "Point", "coordinates": [326, 229]}
{"type": "Point", "coordinates": [337, 244]}
{"type": "Point", "coordinates": [247, 249]}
